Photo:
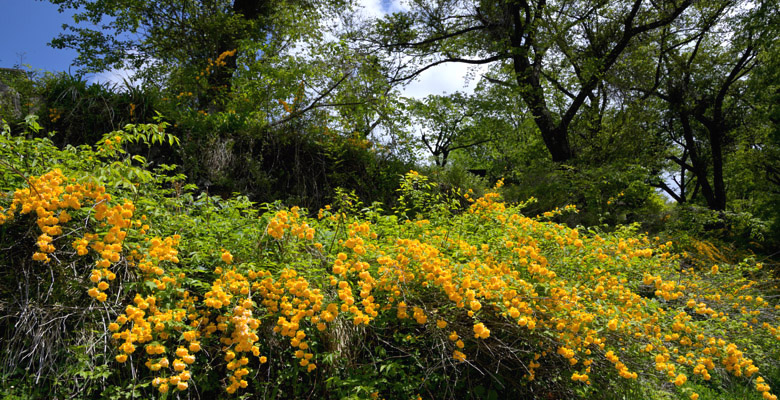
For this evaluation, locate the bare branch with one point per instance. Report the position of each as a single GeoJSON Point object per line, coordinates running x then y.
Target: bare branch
{"type": "Point", "coordinates": [314, 103]}
{"type": "Point", "coordinates": [450, 60]}
{"type": "Point", "coordinates": [436, 39]}
{"type": "Point", "coordinates": [668, 190]}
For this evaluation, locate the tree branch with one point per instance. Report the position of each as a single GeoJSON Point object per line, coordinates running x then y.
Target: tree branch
{"type": "Point", "coordinates": [435, 39]}
{"type": "Point", "coordinates": [449, 60]}
{"type": "Point", "coordinates": [465, 146]}
{"type": "Point", "coordinates": [613, 55]}
{"type": "Point", "coordinates": [314, 103]}
{"type": "Point", "coordinates": [498, 81]}
{"type": "Point", "coordinates": [668, 190]}
{"type": "Point", "coordinates": [681, 163]}
{"type": "Point", "coordinates": [558, 85]}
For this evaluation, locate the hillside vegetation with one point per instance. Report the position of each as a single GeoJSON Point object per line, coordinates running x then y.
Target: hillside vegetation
{"type": "Point", "coordinates": [128, 284]}
{"type": "Point", "coordinates": [275, 204]}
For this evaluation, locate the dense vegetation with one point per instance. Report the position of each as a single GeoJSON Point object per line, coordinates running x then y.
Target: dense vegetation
{"type": "Point", "coordinates": [598, 219]}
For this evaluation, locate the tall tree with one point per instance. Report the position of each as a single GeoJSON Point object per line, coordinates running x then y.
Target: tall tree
{"type": "Point", "coordinates": [556, 54]}
{"type": "Point", "coordinates": [704, 63]}
{"type": "Point", "coordinates": [178, 40]}
{"type": "Point", "coordinates": [449, 123]}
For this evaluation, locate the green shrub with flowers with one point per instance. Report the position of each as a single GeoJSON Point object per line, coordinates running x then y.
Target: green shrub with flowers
{"type": "Point", "coordinates": [178, 294]}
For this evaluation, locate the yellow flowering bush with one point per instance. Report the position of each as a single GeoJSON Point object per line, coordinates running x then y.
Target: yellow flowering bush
{"type": "Point", "coordinates": [229, 297]}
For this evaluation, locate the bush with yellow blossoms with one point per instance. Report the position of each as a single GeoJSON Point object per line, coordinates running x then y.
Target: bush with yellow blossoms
{"type": "Point", "coordinates": [214, 298]}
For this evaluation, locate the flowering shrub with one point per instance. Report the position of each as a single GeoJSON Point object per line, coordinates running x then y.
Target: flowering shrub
{"type": "Point", "coordinates": [223, 295]}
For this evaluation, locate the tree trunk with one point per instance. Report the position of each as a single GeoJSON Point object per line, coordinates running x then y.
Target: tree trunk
{"type": "Point", "coordinates": [220, 80]}
{"type": "Point", "coordinates": [555, 135]}
{"type": "Point", "coordinates": [716, 146]}
{"type": "Point", "coordinates": [699, 166]}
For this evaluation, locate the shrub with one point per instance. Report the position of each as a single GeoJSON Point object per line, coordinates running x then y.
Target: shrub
{"type": "Point", "coordinates": [200, 295]}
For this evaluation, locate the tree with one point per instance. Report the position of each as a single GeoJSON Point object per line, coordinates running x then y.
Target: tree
{"type": "Point", "coordinates": [180, 41]}
{"type": "Point", "coordinates": [555, 54]}
{"type": "Point", "coordinates": [449, 123]}
{"type": "Point", "coordinates": [701, 77]}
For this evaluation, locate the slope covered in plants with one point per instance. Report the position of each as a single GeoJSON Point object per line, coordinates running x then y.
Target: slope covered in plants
{"type": "Point", "coordinates": [129, 283]}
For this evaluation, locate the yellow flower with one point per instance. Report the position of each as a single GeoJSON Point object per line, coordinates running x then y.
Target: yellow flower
{"type": "Point", "coordinates": [480, 331]}
{"type": "Point", "coordinates": [178, 365]}
{"type": "Point", "coordinates": [227, 257]}
{"type": "Point", "coordinates": [612, 324]}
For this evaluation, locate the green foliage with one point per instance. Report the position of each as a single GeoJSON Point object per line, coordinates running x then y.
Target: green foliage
{"type": "Point", "coordinates": [189, 46]}
{"type": "Point", "coordinates": [230, 152]}
{"type": "Point", "coordinates": [248, 108]}
{"type": "Point", "coordinates": [457, 178]}
{"type": "Point", "coordinates": [392, 356]}
{"type": "Point", "coordinates": [450, 123]}
{"type": "Point", "coordinates": [18, 90]}
{"type": "Point", "coordinates": [557, 66]}
{"type": "Point", "coordinates": [738, 228]}
{"type": "Point", "coordinates": [76, 108]}
{"type": "Point", "coordinates": [606, 196]}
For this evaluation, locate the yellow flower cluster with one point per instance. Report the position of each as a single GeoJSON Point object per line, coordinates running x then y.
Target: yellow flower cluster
{"type": "Point", "coordinates": [149, 324]}
{"type": "Point", "coordinates": [55, 114]}
{"type": "Point", "coordinates": [763, 388]}
{"type": "Point", "coordinates": [547, 280]}
{"type": "Point", "coordinates": [45, 197]}
{"type": "Point", "coordinates": [214, 64]}
{"type": "Point", "coordinates": [278, 224]}
{"type": "Point", "coordinates": [50, 197]}
{"type": "Point", "coordinates": [118, 218]}
{"type": "Point", "coordinates": [513, 278]}
{"type": "Point", "coordinates": [109, 145]}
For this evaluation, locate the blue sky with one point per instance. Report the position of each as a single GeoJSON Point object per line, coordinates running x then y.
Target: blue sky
{"type": "Point", "coordinates": [26, 26]}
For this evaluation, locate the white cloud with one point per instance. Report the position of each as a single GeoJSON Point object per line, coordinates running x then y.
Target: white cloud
{"type": "Point", "coordinates": [445, 78]}
{"type": "Point", "coordinates": [378, 8]}
{"type": "Point", "coordinates": [371, 8]}
{"type": "Point", "coordinates": [117, 77]}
